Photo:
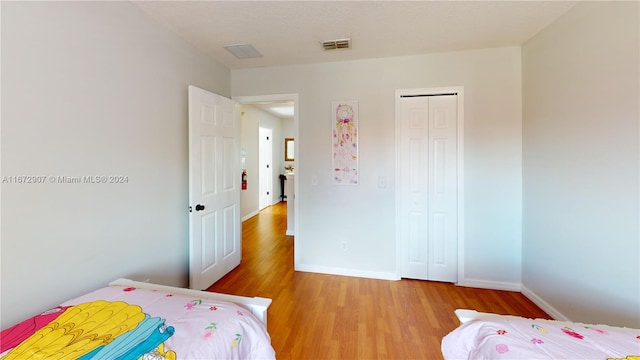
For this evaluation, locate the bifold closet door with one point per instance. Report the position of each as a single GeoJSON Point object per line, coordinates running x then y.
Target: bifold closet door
{"type": "Point", "coordinates": [428, 187]}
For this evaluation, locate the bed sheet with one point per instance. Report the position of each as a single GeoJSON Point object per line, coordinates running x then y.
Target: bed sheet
{"type": "Point", "coordinates": [511, 337]}
{"type": "Point", "coordinates": [127, 322]}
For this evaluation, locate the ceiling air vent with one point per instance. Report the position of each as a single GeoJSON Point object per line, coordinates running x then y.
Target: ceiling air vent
{"type": "Point", "coordinates": [243, 51]}
{"type": "Point", "coordinates": [337, 44]}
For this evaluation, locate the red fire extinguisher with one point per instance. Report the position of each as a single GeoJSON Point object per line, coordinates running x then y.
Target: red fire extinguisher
{"type": "Point", "coordinates": [244, 179]}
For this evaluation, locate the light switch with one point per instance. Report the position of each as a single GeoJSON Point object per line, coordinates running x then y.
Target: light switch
{"type": "Point", "coordinates": [382, 181]}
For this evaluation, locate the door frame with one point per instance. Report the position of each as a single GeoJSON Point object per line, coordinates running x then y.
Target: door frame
{"type": "Point", "coordinates": [256, 99]}
{"type": "Point", "coordinates": [459, 90]}
{"type": "Point", "coordinates": [265, 200]}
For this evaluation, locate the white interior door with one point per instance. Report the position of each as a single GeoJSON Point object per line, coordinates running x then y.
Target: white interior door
{"type": "Point", "coordinates": [427, 145]}
{"type": "Point", "coordinates": [214, 187]}
{"type": "Point", "coordinates": [266, 167]}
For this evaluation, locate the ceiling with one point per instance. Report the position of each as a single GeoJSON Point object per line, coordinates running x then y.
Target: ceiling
{"type": "Point", "coordinates": [282, 110]}
{"type": "Point", "coordinates": [291, 32]}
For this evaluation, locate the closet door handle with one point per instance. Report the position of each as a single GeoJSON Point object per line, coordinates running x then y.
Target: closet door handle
{"type": "Point", "coordinates": [199, 207]}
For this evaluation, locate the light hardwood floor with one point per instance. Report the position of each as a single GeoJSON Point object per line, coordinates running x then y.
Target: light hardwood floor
{"type": "Point", "coordinates": [317, 316]}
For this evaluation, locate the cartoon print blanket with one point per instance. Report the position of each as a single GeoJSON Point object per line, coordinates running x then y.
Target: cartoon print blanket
{"type": "Point", "coordinates": [119, 322]}
{"type": "Point", "coordinates": [511, 337]}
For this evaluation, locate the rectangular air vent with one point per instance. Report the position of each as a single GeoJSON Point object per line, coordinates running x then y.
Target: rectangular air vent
{"type": "Point", "coordinates": [336, 44]}
{"type": "Point", "coordinates": [243, 51]}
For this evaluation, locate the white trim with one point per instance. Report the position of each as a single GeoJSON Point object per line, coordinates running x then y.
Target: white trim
{"type": "Point", "coordinates": [397, 190]}
{"type": "Point", "coordinates": [250, 215]}
{"type": "Point", "coordinates": [553, 312]}
{"type": "Point", "coordinates": [459, 90]}
{"type": "Point", "coordinates": [487, 284]}
{"type": "Point", "coordinates": [265, 200]}
{"type": "Point", "coordinates": [460, 144]}
{"type": "Point", "coordinates": [290, 233]}
{"type": "Point", "coordinates": [348, 272]}
{"type": "Point", "coordinates": [298, 164]}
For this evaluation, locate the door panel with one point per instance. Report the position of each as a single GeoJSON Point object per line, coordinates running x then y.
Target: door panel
{"type": "Point", "coordinates": [208, 165]}
{"type": "Point", "coordinates": [209, 251]}
{"type": "Point", "coordinates": [443, 238]}
{"type": "Point", "coordinates": [413, 145]}
{"type": "Point", "coordinates": [214, 191]}
{"type": "Point", "coordinates": [229, 247]}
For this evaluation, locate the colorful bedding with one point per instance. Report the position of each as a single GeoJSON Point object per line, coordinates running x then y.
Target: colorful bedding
{"type": "Point", "coordinates": [118, 322]}
{"type": "Point", "coordinates": [511, 337]}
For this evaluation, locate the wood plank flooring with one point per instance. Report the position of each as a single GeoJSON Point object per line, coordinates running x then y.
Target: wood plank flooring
{"type": "Point", "coordinates": [317, 316]}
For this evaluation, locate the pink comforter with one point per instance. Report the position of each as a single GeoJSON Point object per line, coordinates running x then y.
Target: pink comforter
{"type": "Point", "coordinates": [117, 322]}
{"type": "Point", "coordinates": [510, 337]}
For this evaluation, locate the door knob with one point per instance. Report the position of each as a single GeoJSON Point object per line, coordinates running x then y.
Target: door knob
{"type": "Point", "coordinates": [199, 207]}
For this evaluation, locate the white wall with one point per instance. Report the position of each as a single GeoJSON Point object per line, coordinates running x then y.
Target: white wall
{"type": "Point", "coordinates": [252, 119]}
{"type": "Point", "coordinates": [288, 131]}
{"type": "Point", "coordinates": [581, 164]}
{"type": "Point", "coordinates": [93, 88]}
{"type": "Point", "coordinates": [364, 215]}
{"type": "Point", "coordinates": [249, 201]}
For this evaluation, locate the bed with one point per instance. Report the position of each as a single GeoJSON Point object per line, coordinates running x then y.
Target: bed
{"type": "Point", "coordinates": [492, 336]}
{"type": "Point", "coordinates": [137, 320]}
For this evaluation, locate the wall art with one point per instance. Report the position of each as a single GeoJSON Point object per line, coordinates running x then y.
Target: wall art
{"type": "Point", "coordinates": [345, 142]}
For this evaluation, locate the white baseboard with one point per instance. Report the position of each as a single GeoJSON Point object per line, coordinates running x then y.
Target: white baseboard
{"type": "Point", "coordinates": [250, 215]}
{"type": "Point", "coordinates": [494, 285]}
{"type": "Point", "coordinates": [553, 312]}
{"type": "Point", "coordinates": [497, 285]}
{"type": "Point", "coordinates": [347, 272]}
{"type": "Point", "coordinates": [290, 232]}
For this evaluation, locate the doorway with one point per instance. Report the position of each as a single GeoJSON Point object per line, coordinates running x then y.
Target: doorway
{"type": "Point", "coordinates": [279, 98]}
{"type": "Point", "coordinates": [429, 218]}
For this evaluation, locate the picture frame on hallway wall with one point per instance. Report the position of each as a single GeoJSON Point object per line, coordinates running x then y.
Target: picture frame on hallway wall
{"type": "Point", "coordinates": [345, 142]}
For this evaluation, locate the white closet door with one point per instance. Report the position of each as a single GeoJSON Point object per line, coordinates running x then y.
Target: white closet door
{"type": "Point", "coordinates": [414, 192]}
{"type": "Point", "coordinates": [428, 187]}
{"type": "Point", "coordinates": [443, 225]}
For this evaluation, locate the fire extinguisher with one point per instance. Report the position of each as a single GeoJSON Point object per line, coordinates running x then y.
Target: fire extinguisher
{"type": "Point", "coordinates": [244, 179]}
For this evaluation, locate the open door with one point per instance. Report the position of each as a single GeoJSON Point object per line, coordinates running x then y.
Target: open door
{"type": "Point", "coordinates": [214, 187]}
